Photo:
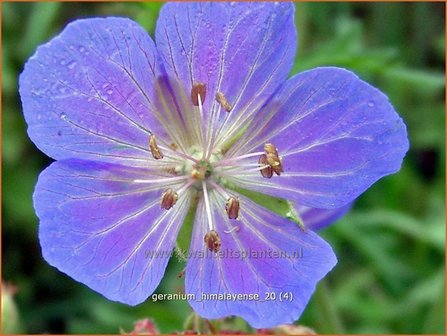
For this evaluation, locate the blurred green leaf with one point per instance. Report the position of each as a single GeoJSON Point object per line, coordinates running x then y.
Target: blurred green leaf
{"type": "Point", "coordinates": [39, 25]}
{"type": "Point", "coordinates": [425, 82]}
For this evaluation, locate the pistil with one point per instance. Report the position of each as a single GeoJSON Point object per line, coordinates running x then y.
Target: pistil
{"type": "Point", "coordinates": [212, 238]}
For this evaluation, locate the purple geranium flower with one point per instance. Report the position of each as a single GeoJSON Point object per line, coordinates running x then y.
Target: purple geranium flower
{"type": "Point", "coordinates": [146, 133]}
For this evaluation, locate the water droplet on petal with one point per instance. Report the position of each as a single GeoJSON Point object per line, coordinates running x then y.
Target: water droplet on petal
{"type": "Point", "coordinates": [371, 104]}
{"type": "Point", "coordinates": [109, 92]}
{"type": "Point", "coordinates": [63, 116]}
{"type": "Point", "coordinates": [71, 65]}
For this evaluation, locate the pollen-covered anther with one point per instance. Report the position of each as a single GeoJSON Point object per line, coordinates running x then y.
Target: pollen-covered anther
{"type": "Point", "coordinates": [266, 170]}
{"type": "Point", "coordinates": [155, 151]}
{"type": "Point", "coordinates": [270, 149]}
{"type": "Point", "coordinates": [232, 207]}
{"type": "Point", "coordinates": [168, 199]}
{"type": "Point", "coordinates": [222, 100]}
{"type": "Point", "coordinates": [273, 159]}
{"type": "Point", "coordinates": [275, 162]}
{"type": "Point", "coordinates": [198, 89]}
{"type": "Point", "coordinates": [212, 241]}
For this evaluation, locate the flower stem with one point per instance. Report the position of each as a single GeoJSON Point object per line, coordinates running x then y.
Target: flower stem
{"type": "Point", "coordinates": [330, 320]}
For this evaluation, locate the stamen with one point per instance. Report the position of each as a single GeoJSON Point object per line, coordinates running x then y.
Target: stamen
{"type": "Point", "coordinates": [228, 162]}
{"type": "Point", "coordinates": [168, 199]}
{"type": "Point", "coordinates": [270, 149]}
{"type": "Point", "coordinates": [207, 206]}
{"type": "Point", "coordinates": [163, 180]}
{"type": "Point", "coordinates": [273, 159]}
{"type": "Point", "coordinates": [219, 189]}
{"type": "Point", "coordinates": [212, 130]}
{"type": "Point", "coordinates": [155, 151]}
{"type": "Point", "coordinates": [275, 162]}
{"type": "Point", "coordinates": [241, 169]}
{"type": "Point", "coordinates": [175, 154]}
{"type": "Point", "coordinates": [202, 126]}
{"type": "Point", "coordinates": [198, 89]}
{"type": "Point", "coordinates": [267, 171]}
{"type": "Point", "coordinates": [232, 207]}
{"type": "Point", "coordinates": [213, 241]}
{"type": "Point", "coordinates": [185, 186]}
{"type": "Point", "coordinates": [222, 100]}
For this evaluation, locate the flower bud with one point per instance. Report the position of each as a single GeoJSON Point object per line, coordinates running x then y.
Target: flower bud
{"type": "Point", "coordinates": [275, 162]}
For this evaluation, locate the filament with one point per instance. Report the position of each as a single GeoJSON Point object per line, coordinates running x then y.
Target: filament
{"type": "Point", "coordinates": [207, 206]}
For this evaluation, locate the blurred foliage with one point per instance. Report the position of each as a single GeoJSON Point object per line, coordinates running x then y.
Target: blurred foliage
{"type": "Point", "coordinates": [390, 277]}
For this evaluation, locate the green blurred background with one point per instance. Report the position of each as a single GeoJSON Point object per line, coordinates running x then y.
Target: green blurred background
{"type": "Point", "coordinates": [390, 277]}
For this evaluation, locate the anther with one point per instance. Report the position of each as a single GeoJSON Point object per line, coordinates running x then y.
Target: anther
{"type": "Point", "coordinates": [198, 89]}
{"type": "Point", "coordinates": [270, 149]}
{"type": "Point", "coordinates": [222, 100]}
{"type": "Point", "coordinates": [275, 162]}
{"type": "Point", "coordinates": [212, 241]}
{"type": "Point", "coordinates": [266, 172]}
{"type": "Point", "coordinates": [155, 151]}
{"type": "Point", "coordinates": [273, 158]}
{"type": "Point", "coordinates": [232, 207]}
{"type": "Point", "coordinates": [168, 199]}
